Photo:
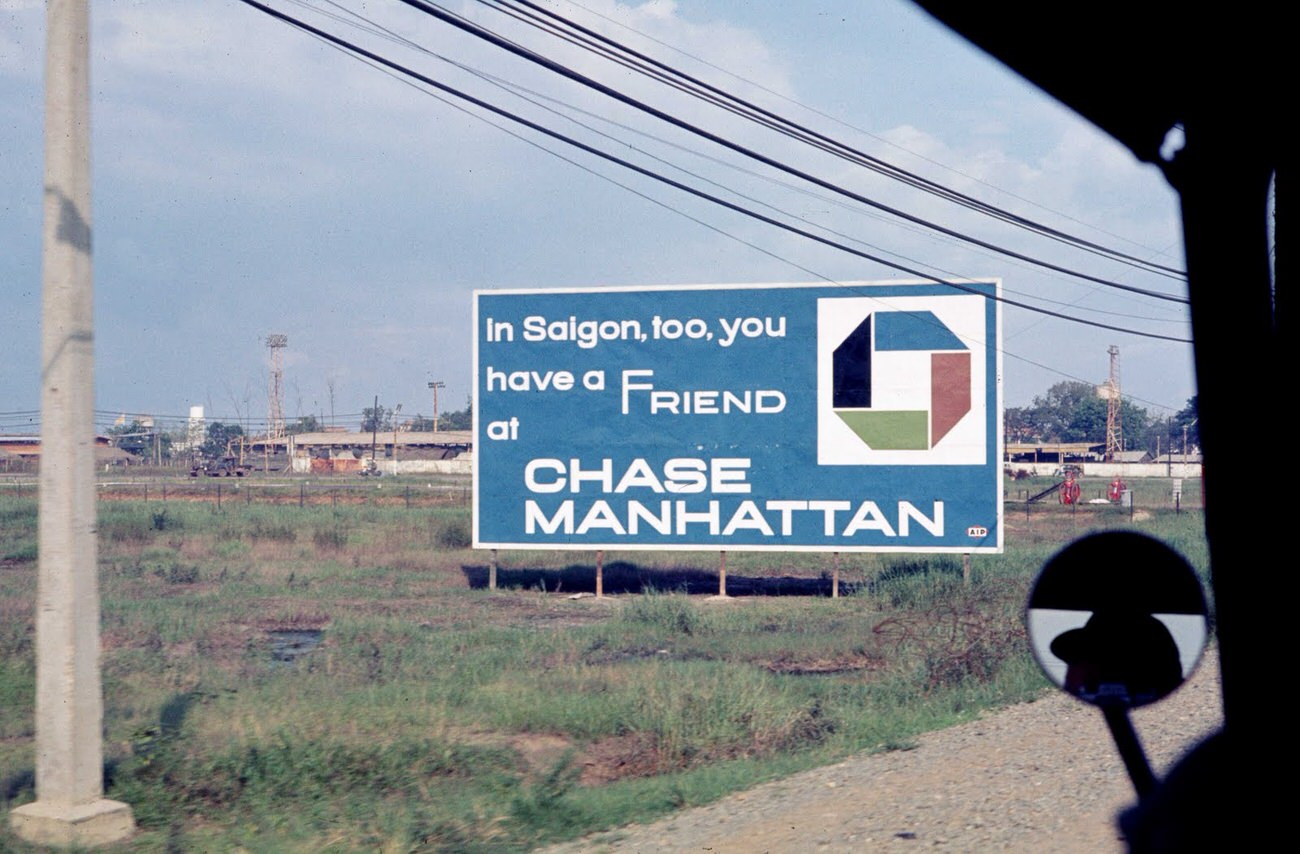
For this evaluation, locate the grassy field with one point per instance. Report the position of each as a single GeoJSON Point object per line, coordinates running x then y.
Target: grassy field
{"type": "Point", "coordinates": [436, 714]}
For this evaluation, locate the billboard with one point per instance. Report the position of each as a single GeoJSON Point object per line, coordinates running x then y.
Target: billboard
{"type": "Point", "coordinates": [795, 417]}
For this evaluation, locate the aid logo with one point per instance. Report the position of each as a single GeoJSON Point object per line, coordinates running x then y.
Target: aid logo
{"type": "Point", "coordinates": [900, 380]}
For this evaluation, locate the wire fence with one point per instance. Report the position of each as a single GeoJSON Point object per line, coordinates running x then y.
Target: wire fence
{"type": "Point", "coordinates": [220, 492]}
{"type": "Point", "coordinates": [1031, 496]}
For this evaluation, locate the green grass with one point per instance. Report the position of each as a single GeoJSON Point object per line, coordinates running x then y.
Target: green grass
{"type": "Point", "coordinates": [438, 715]}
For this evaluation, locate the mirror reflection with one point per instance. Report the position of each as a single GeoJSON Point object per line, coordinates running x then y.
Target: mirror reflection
{"type": "Point", "coordinates": [1117, 619]}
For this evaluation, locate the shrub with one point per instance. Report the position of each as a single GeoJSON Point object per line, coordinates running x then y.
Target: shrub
{"type": "Point", "coordinates": [164, 521]}
{"type": "Point", "coordinates": [333, 538]}
{"type": "Point", "coordinates": [24, 552]}
{"type": "Point", "coordinates": [452, 533]}
{"type": "Point", "coordinates": [672, 614]}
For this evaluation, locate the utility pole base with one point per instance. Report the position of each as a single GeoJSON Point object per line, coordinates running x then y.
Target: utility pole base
{"type": "Point", "coordinates": [72, 825]}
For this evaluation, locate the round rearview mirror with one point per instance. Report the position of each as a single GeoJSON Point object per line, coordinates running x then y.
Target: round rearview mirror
{"type": "Point", "coordinates": [1117, 619]}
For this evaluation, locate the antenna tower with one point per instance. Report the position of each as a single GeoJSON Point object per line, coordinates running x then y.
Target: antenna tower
{"type": "Point", "coordinates": [1114, 419]}
{"type": "Point", "coordinates": [275, 421]}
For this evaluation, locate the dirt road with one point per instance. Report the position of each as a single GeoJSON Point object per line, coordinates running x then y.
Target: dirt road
{"type": "Point", "coordinates": [1041, 776]}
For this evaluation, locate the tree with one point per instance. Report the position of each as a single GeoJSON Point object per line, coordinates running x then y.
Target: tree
{"type": "Point", "coordinates": [140, 439]}
{"type": "Point", "coordinates": [1072, 411]}
{"type": "Point", "coordinates": [303, 424]}
{"type": "Point", "coordinates": [1139, 428]}
{"type": "Point", "coordinates": [1067, 412]}
{"type": "Point", "coordinates": [1020, 424]}
{"type": "Point", "coordinates": [219, 438]}
{"type": "Point", "coordinates": [1188, 418]}
{"type": "Point", "coordinates": [460, 420]}
{"type": "Point", "coordinates": [376, 418]}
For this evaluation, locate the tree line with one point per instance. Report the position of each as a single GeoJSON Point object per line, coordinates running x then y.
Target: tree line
{"type": "Point", "coordinates": [146, 442]}
{"type": "Point", "coordinates": [1073, 411]}
{"type": "Point", "coordinates": [1069, 411]}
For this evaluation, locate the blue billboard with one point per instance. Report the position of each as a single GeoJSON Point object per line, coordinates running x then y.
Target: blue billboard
{"type": "Point", "coordinates": [814, 417]}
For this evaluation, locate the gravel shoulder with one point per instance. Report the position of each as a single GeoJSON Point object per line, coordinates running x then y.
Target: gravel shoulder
{"type": "Point", "coordinates": [1040, 776]}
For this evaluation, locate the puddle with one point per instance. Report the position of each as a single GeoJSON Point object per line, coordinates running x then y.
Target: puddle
{"type": "Point", "coordinates": [288, 645]}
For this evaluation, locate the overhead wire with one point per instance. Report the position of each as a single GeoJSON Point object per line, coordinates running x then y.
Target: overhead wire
{"type": "Point", "coordinates": [238, 420]}
{"type": "Point", "coordinates": [855, 128]}
{"type": "Point", "coordinates": [484, 34]}
{"type": "Point", "coordinates": [359, 21]}
{"type": "Point", "coordinates": [536, 98]}
{"type": "Point", "coordinates": [814, 273]}
{"type": "Point", "coordinates": [805, 191]}
{"type": "Point", "coordinates": [602, 45]}
{"type": "Point", "coordinates": [484, 105]}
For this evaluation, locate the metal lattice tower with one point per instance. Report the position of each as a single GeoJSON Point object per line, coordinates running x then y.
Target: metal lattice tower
{"type": "Point", "coordinates": [1114, 418]}
{"type": "Point", "coordinates": [275, 420]}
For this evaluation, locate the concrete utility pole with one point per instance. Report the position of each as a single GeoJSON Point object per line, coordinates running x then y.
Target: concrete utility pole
{"type": "Point", "coordinates": [435, 385]}
{"type": "Point", "coordinates": [70, 809]}
{"type": "Point", "coordinates": [276, 343]}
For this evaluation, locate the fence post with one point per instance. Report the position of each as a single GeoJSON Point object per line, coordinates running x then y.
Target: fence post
{"type": "Point", "coordinates": [218, 496]}
{"type": "Point", "coordinates": [302, 493]}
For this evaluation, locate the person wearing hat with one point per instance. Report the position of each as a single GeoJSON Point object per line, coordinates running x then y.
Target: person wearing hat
{"type": "Point", "coordinates": [1119, 656]}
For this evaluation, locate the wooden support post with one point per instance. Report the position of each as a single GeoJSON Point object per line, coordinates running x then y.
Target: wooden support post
{"type": "Point", "coordinates": [492, 571]}
{"type": "Point", "coordinates": [965, 569]}
{"type": "Point", "coordinates": [722, 574]}
{"type": "Point", "coordinates": [600, 574]}
{"type": "Point", "coordinates": [835, 575]}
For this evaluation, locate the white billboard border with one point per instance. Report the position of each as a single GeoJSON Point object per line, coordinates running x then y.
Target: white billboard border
{"type": "Point", "coordinates": [999, 448]}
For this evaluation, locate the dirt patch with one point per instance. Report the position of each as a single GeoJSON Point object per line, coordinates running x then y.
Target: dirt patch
{"type": "Point", "coordinates": [293, 621]}
{"type": "Point", "coordinates": [540, 751]}
{"type": "Point", "coordinates": [618, 758]}
{"type": "Point", "coordinates": [825, 666]}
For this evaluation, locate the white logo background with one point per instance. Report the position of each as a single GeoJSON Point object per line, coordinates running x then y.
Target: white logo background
{"type": "Point", "coordinates": [901, 380]}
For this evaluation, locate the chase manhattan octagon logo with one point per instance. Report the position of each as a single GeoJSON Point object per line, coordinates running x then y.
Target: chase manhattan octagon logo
{"type": "Point", "coordinates": [901, 380]}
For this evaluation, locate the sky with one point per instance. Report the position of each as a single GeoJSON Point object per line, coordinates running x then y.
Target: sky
{"type": "Point", "coordinates": [250, 180]}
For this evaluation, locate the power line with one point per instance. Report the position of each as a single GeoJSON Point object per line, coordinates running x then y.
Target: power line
{"type": "Point", "coordinates": [850, 126]}
{"type": "Point", "coordinates": [342, 43]}
{"type": "Point", "coordinates": [534, 97]}
{"type": "Point", "coordinates": [582, 79]}
{"type": "Point", "coordinates": [647, 65]}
